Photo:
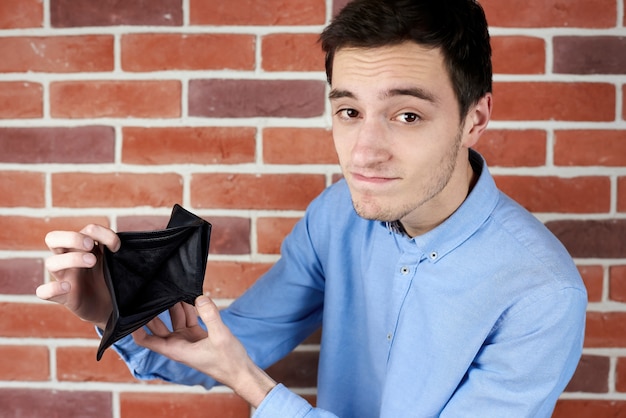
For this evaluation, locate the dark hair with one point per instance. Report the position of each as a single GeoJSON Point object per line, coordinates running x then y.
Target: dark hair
{"type": "Point", "coordinates": [457, 27]}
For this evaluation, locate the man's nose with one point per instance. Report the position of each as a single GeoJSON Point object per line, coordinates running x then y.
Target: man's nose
{"type": "Point", "coordinates": [372, 143]}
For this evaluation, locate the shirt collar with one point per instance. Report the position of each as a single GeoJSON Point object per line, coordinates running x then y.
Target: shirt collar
{"type": "Point", "coordinates": [472, 213]}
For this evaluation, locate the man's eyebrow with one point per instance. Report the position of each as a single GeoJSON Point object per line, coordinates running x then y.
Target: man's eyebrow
{"type": "Point", "coordinates": [411, 91]}
{"type": "Point", "coordinates": [338, 94]}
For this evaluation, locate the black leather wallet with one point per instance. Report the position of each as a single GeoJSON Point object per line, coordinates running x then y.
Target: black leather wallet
{"type": "Point", "coordinates": [154, 270]}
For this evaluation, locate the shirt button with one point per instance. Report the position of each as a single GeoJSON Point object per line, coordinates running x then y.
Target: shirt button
{"type": "Point", "coordinates": [433, 255]}
{"type": "Point", "coordinates": [405, 270]}
{"type": "Point", "coordinates": [389, 337]}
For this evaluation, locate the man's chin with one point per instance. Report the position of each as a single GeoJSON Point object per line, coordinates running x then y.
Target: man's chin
{"type": "Point", "coordinates": [372, 213]}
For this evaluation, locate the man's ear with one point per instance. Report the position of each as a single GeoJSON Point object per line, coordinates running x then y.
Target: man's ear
{"type": "Point", "coordinates": [477, 120]}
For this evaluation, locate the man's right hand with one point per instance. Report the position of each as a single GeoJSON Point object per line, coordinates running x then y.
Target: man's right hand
{"type": "Point", "coordinates": [76, 270]}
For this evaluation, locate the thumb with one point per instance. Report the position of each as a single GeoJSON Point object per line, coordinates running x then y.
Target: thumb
{"type": "Point", "coordinates": [208, 311]}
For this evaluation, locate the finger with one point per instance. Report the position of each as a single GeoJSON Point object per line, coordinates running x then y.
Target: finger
{"type": "Point", "coordinates": [56, 264]}
{"type": "Point", "coordinates": [54, 291]}
{"type": "Point", "coordinates": [63, 241]}
{"type": "Point", "coordinates": [103, 235]}
{"type": "Point", "coordinates": [158, 328]}
{"type": "Point", "coordinates": [84, 240]}
{"type": "Point", "coordinates": [191, 315]}
{"type": "Point", "coordinates": [177, 315]}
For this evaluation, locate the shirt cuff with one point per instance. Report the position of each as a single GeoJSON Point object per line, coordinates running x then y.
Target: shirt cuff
{"type": "Point", "coordinates": [281, 402]}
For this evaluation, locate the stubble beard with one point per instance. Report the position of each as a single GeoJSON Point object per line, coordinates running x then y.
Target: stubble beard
{"type": "Point", "coordinates": [368, 208]}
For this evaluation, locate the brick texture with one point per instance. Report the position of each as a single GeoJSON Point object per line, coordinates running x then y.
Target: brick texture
{"type": "Point", "coordinates": [58, 54]}
{"type": "Point", "coordinates": [163, 405]}
{"type": "Point", "coordinates": [112, 111]}
{"type": "Point", "coordinates": [100, 99]}
{"type": "Point", "coordinates": [268, 12]}
{"type": "Point", "coordinates": [202, 145]}
{"type": "Point", "coordinates": [73, 145]}
{"type": "Point", "coordinates": [21, 14]}
{"type": "Point", "coordinates": [256, 98]}
{"type": "Point", "coordinates": [156, 52]}
{"type": "Point", "coordinates": [21, 99]}
{"type": "Point", "coordinates": [590, 55]}
{"type": "Point", "coordinates": [77, 13]}
{"type": "Point", "coordinates": [45, 403]}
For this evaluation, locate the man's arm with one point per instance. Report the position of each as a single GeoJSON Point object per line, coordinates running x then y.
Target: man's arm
{"type": "Point", "coordinates": [527, 361]}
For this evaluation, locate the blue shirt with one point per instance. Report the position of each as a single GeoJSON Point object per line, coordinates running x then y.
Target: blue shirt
{"type": "Point", "coordinates": [483, 316]}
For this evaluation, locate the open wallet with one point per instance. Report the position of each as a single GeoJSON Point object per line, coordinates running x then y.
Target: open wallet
{"type": "Point", "coordinates": [153, 271]}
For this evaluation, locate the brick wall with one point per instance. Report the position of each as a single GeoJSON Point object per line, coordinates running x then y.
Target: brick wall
{"type": "Point", "coordinates": [111, 112]}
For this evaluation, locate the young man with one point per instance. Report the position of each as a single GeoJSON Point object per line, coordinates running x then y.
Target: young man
{"type": "Point", "coordinates": [437, 294]}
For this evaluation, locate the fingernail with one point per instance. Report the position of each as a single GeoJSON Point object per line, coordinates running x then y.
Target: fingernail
{"type": "Point", "coordinates": [202, 301]}
{"type": "Point", "coordinates": [65, 286]}
{"type": "Point", "coordinates": [88, 243]}
{"type": "Point", "coordinates": [89, 259]}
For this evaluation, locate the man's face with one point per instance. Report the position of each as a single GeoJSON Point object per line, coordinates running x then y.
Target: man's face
{"type": "Point", "coordinates": [398, 135]}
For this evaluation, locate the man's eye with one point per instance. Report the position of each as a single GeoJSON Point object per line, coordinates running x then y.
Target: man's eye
{"type": "Point", "coordinates": [408, 117]}
{"type": "Point", "coordinates": [348, 113]}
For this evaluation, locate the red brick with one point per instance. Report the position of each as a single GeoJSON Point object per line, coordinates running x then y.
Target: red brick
{"type": "Point", "coordinates": [560, 195]}
{"type": "Point", "coordinates": [591, 238]}
{"type": "Point", "coordinates": [298, 146]}
{"type": "Point", "coordinates": [508, 148]}
{"type": "Point", "coordinates": [20, 276]}
{"type": "Point", "coordinates": [189, 145]}
{"type": "Point", "coordinates": [621, 194]}
{"type": "Point", "coordinates": [229, 279]}
{"type": "Point", "coordinates": [141, 222]}
{"type": "Point", "coordinates": [20, 99]}
{"type": "Point", "coordinates": [590, 148]}
{"type": "Point", "coordinates": [165, 405]}
{"type": "Point", "coordinates": [221, 98]}
{"type": "Point", "coordinates": [554, 101]}
{"type": "Point", "coordinates": [591, 376]}
{"type": "Point", "coordinates": [83, 190]}
{"type": "Point", "coordinates": [58, 54]}
{"type": "Point", "coordinates": [518, 55]}
{"type": "Point", "coordinates": [78, 364]}
{"type": "Point", "coordinates": [13, 181]}
{"type": "Point", "coordinates": [548, 13]}
{"type": "Point", "coordinates": [122, 99]}
{"type": "Point", "coordinates": [589, 408]}
{"type": "Point", "coordinates": [250, 191]}
{"type": "Point", "coordinates": [25, 363]}
{"type": "Point", "coordinates": [617, 283]}
{"type": "Point", "coordinates": [168, 51]}
{"type": "Point", "coordinates": [292, 52]}
{"type": "Point", "coordinates": [230, 235]}
{"type": "Point", "coordinates": [589, 54]}
{"type": "Point", "coordinates": [56, 403]}
{"type": "Point", "coordinates": [605, 329]}
{"type": "Point", "coordinates": [593, 277]}
{"type": "Point", "coordinates": [32, 231]}
{"type": "Point", "coordinates": [271, 232]}
{"type": "Point", "coordinates": [268, 12]}
{"type": "Point", "coordinates": [18, 14]}
{"type": "Point", "coordinates": [297, 370]}
{"type": "Point", "coordinates": [76, 145]}
{"type": "Point", "coordinates": [620, 375]}
{"type": "Point", "coordinates": [41, 320]}
{"type": "Point", "coordinates": [76, 13]}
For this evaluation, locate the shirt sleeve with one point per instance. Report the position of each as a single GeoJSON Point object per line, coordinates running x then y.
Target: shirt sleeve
{"type": "Point", "coordinates": [281, 402]}
{"type": "Point", "coordinates": [527, 360]}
